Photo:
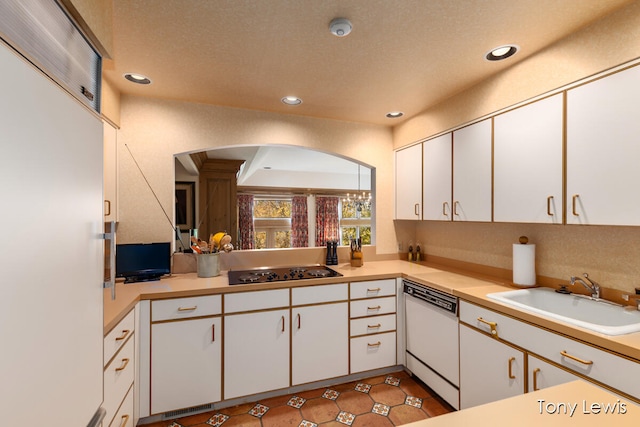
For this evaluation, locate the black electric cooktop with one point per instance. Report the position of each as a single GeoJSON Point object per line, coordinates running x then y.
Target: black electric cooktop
{"type": "Point", "coordinates": [280, 274]}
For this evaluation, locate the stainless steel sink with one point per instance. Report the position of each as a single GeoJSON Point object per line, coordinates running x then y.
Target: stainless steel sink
{"type": "Point", "coordinates": [598, 316]}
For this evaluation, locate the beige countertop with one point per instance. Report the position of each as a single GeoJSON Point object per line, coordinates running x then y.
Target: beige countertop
{"type": "Point", "coordinates": [548, 407]}
{"type": "Point", "coordinates": [472, 288]}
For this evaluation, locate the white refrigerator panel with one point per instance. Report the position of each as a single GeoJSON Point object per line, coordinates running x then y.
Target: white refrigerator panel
{"type": "Point", "coordinates": [50, 252]}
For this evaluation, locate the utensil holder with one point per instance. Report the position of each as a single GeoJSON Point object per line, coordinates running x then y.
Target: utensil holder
{"type": "Point", "coordinates": [208, 264]}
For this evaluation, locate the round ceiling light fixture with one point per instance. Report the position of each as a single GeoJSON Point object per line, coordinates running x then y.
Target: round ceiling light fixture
{"type": "Point", "coordinates": [291, 100]}
{"type": "Point", "coordinates": [137, 78]}
{"type": "Point", "coordinates": [395, 114]}
{"type": "Point", "coordinates": [501, 52]}
{"type": "Point", "coordinates": [340, 27]}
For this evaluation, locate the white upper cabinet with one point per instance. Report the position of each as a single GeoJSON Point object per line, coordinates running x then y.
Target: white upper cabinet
{"type": "Point", "coordinates": [409, 183]}
{"type": "Point", "coordinates": [472, 172]}
{"type": "Point", "coordinates": [528, 163]}
{"type": "Point", "coordinates": [603, 151]}
{"type": "Point", "coordinates": [110, 146]}
{"type": "Point", "coordinates": [436, 185]}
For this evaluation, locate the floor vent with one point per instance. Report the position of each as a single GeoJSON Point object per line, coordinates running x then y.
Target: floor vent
{"type": "Point", "coordinates": [186, 411]}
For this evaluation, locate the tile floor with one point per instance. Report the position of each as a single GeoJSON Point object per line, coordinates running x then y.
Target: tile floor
{"type": "Point", "coordinates": [387, 400]}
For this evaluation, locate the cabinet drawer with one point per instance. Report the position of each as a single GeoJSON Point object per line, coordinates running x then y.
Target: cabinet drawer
{"type": "Point", "coordinates": [373, 288]}
{"type": "Point", "coordinates": [373, 352]}
{"type": "Point", "coordinates": [373, 306]}
{"type": "Point", "coordinates": [373, 325]}
{"type": "Point", "coordinates": [183, 308]}
{"type": "Point", "coordinates": [319, 294]}
{"type": "Point", "coordinates": [124, 416]}
{"type": "Point", "coordinates": [118, 377]}
{"type": "Point", "coordinates": [259, 300]}
{"type": "Point", "coordinates": [118, 336]}
{"type": "Point", "coordinates": [597, 364]}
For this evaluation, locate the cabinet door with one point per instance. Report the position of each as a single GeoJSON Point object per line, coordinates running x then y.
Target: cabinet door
{"type": "Point", "coordinates": [409, 183]}
{"type": "Point", "coordinates": [436, 184]}
{"type": "Point", "coordinates": [256, 352]}
{"type": "Point", "coordinates": [603, 151]}
{"type": "Point", "coordinates": [528, 163]}
{"type": "Point", "coordinates": [185, 363]}
{"type": "Point", "coordinates": [489, 369]}
{"type": "Point", "coordinates": [110, 147]}
{"type": "Point", "coordinates": [472, 172]}
{"type": "Point", "coordinates": [320, 342]}
{"type": "Point", "coordinates": [543, 374]}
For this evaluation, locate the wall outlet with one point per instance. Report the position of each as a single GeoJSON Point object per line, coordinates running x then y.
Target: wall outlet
{"type": "Point", "coordinates": [399, 246]}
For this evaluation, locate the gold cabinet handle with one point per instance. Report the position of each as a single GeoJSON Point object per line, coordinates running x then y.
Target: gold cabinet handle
{"type": "Point", "coordinates": [187, 308]}
{"type": "Point", "coordinates": [535, 379]}
{"type": "Point", "coordinates": [125, 362]}
{"type": "Point", "coordinates": [124, 420]}
{"type": "Point", "coordinates": [492, 325]}
{"type": "Point", "coordinates": [213, 333]}
{"type": "Point", "coordinates": [282, 323]}
{"type": "Point", "coordinates": [577, 359]}
{"type": "Point", "coordinates": [371, 290]}
{"type": "Point", "coordinates": [573, 204]}
{"type": "Point", "coordinates": [377, 307]}
{"type": "Point", "coordinates": [125, 332]}
{"type": "Point", "coordinates": [299, 321]}
{"type": "Point", "coordinates": [549, 199]}
{"type": "Point", "coordinates": [108, 210]}
{"type": "Point", "coordinates": [416, 209]}
{"type": "Point", "coordinates": [445, 205]}
{"type": "Point", "coordinates": [511, 360]}
{"type": "Point", "coordinates": [455, 208]}
{"type": "Point", "coordinates": [375, 344]}
{"type": "Point", "coordinates": [374, 326]}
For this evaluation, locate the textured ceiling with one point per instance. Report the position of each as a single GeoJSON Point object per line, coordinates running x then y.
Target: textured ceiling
{"type": "Point", "coordinates": [401, 55]}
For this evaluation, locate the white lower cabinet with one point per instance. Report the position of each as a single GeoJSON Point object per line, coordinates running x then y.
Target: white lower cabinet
{"type": "Point", "coordinates": [543, 374]}
{"type": "Point", "coordinates": [256, 352]}
{"type": "Point", "coordinates": [119, 373]}
{"type": "Point", "coordinates": [320, 342]}
{"type": "Point", "coordinates": [489, 369]}
{"type": "Point", "coordinates": [185, 363]}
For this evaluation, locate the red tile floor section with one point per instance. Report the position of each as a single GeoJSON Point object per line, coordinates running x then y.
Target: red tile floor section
{"type": "Point", "coordinates": [387, 400]}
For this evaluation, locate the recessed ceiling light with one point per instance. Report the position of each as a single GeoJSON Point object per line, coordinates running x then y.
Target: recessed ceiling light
{"type": "Point", "coordinates": [501, 52]}
{"type": "Point", "coordinates": [291, 100]}
{"type": "Point", "coordinates": [137, 78]}
{"type": "Point", "coordinates": [395, 114]}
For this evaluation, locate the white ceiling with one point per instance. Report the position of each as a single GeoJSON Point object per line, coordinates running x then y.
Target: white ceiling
{"type": "Point", "coordinates": [402, 55]}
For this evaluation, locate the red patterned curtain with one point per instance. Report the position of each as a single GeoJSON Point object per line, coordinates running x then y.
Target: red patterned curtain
{"type": "Point", "coordinates": [245, 221]}
{"type": "Point", "coordinates": [299, 222]}
{"type": "Point", "coordinates": [327, 220]}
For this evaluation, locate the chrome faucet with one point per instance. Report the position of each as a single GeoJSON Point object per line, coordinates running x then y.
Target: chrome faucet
{"type": "Point", "coordinates": [592, 286]}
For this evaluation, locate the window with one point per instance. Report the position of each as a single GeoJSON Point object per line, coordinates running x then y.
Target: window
{"type": "Point", "coordinates": [355, 221]}
{"type": "Point", "coordinates": [272, 222]}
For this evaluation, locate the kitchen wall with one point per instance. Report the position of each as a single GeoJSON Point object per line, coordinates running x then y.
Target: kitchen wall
{"type": "Point", "coordinates": [609, 254]}
{"type": "Point", "coordinates": [153, 130]}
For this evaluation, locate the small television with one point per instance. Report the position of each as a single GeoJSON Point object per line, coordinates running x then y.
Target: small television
{"type": "Point", "coordinates": [143, 262]}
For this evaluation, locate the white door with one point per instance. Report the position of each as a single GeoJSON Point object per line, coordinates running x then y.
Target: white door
{"type": "Point", "coordinates": [409, 183]}
{"type": "Point", "coordinates": [472, 159]}
{"type": "Point", "coordinates": [320, 342]}
{"type": "Point", "coordinates": [603, 151]}
{"type": "Point", "coordinates": [52, 254]}
{"type": "Point", "coordinates": [528, 163]}
{"type": "Point", "coordinates": [256, 352]}
{"type": "Point", "coordinates": [489, 369]}
{"type": "Point", "coordinates": [436, 184]}
{"type": "Point", "coordinates": [186, 363]}
{"type": "Point", "coordinates": [543, 374]}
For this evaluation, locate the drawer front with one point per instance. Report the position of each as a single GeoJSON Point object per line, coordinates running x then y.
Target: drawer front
{"type": "Point", "coordinates": [124, 416]}
{"type": "Point", "coordinates": [373, 307]}
{"type": "Point", "coordinates": [118, 336]}
{"type": "Point", "coordinates": [259, 300]}
{"type": "Point", "coordinates": [118, 377]}
{"type": "Point", "coordinates": [373, 352]}
{"type": "Point", "coordinates": [319, 294]}
{"type": "Point", "coordinates": [373, 288]}
{"type": "Point", "coordinates": [373, 325]}
{"type": "Point", "coordinates": [584, 359]}
{"type": "Point", "coordinates": [184, 308]}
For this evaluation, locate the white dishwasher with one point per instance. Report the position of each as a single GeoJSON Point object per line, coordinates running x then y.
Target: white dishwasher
{"type": "Point", "coordinates": [431, 324]}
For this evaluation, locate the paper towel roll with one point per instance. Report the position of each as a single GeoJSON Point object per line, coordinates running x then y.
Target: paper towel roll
{"type": "Point", "coordinates": [524, 264]}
